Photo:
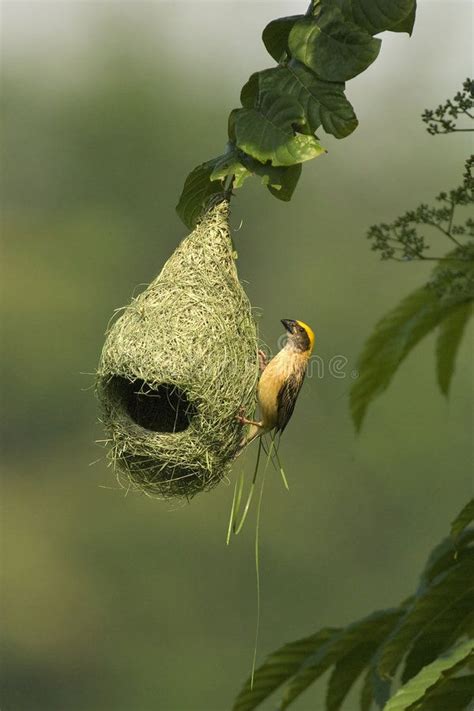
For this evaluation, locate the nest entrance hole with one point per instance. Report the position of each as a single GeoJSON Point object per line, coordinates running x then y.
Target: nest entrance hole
{"type": "Point", "coordinates": [165, 408]}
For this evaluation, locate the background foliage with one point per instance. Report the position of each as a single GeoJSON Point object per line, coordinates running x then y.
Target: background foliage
{"type": "Point", "coordinates": [118, 603]}
{"type": "Point", "coordinates": [430, 636]}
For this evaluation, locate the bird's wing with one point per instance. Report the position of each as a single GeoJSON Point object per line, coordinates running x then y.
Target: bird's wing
{"type": "Point", "coordinates": [287, 397]}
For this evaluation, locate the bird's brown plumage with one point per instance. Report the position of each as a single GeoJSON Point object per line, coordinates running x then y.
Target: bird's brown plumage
{"type": "Point", "coordinates": [281, 381]}
{"type": "Point", "coordinates": [287, 396]}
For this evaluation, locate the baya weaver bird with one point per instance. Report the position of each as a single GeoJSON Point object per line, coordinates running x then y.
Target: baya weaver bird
{"type": "Point", "coordinates": [280, 382]}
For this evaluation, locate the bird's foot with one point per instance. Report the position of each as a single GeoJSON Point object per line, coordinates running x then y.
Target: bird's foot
{"type": "Point", "coordinates": [245, 421]}
{"type": "Point", "coordinates": [262, 360]}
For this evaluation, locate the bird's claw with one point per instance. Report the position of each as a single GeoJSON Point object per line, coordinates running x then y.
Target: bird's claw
{"type": "Point", "coordinates": [262, 360]}
{"type": "Point", "coordinates": [241, 416]}
{"type": "Point", "coordinates": [245, 420]}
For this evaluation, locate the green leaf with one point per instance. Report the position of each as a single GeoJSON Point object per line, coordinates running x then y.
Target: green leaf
{"type": "Point", "coordinates": [275, 35]}
{"type": "Point", "coordinates": [416, 688]}
{"type": "Point", "coordinates": [447, 590]}
{"type": "Point", "coordinates": [374, 689]}
{"type": "Point", "coordinates": [449, 694]}
{"type": "Point", "coordinates": [322, 102]}
{"type": "Point", "coordinates": [346, 672]}
{"type": "Point", "coordinates": [229, 164]}
{"type": "Point", "coordinates": [231, 125]}
{"type": "Point", "coordinates": [449, 339]}
{"type": "Point", "coordinates": [197, 191]}
{"type": "Point", "coordinates": [285, 187]}
{"type": "Point", "coordinates": [408, 23]}
{"type": "Point", "coordinates": [390, 343]}
{"type": "Point", "coordinates": [253, 87]}
{"type": "Point", "coordinates": [333, 47]}
{"type": "Point", "coordinates": [267, 131]}
{"type": "Point", "coordinates": [463, 519]}
{"type": "Point", "coordinates": [207, 180]}
{"type": "Point", "coordinates": [279, 667]}
{"type": "Point", "coordinates": [376, 16]}
{"type": "Point", "coordinates": [281, 180]}
{"type": "Point", "coordinates": [366, 694]}
{"type": "Point", "coordinates": [441, 632]}
{"type": "Point", "coordinates": [445, 555]}
{"type": "Point", "coordinates": [369, 630]}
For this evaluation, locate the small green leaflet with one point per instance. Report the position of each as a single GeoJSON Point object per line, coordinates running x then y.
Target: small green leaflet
{"type": "Point", "coordinates": [275, 35]}
{"type": "Point", "coordinates": [197, 191]}
{"type": "Point", "coordinates": [445, 627]}
{"type": "Point", "coordinates": [390, 343]}
{"type": "Point", "coordinates": [374, 689]}
{"type": "Point", "coordinates": [415, 689]}
{"type": "Point", "coordinates": [447, 590]}
{"type": "Point", "coordinates": [446, 554]}
{"type": "Point", "coordinates": [281, 181]}
{"type": "Point", "coordinates": [229, 164]}
{"type": "Point", "coordinates": [208, 179]}
{"type": "Point", "coordinates": [462, 520]}
{"type": "Point", "coordinates": [450, 335]}
{"type": "Point", "coordinates": [370, 630]}
{"type": "Point", "coordinates": [346, 672]}
{"type": "Point", "coordinates": [279, 667]}
{"type": "Point", "coordinates": [284, 187]}
{"type": "Point", "coordinates": [448, 694]}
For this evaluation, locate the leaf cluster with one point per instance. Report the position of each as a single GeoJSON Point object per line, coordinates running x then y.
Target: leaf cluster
{"type": "Point", "coordinates": [402, 239]}
{"type": "Point", "coordinates": [274, 130]}
{"type": "Point", "coordinates": [443, 118]}
{"type": "Point", "coordinates": [422, 640]}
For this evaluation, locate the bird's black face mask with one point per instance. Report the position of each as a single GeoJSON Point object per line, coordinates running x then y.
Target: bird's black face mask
{"type": "Point", "coordinates": [299, 337]}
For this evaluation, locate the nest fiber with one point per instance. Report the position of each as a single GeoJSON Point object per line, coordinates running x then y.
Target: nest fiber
{"type": "Point", "coordinates": [178, 365]}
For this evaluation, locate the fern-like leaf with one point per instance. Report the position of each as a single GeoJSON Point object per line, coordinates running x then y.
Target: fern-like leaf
{"type": "Point", "coordinates": [449, 338]}
{"type": "Point", "coordinates": [370, 630]}
{"type": "Point", "coordinates": [278, 667]}
{"type": "Point", "coordinates": [462, 520]}
{"type": "Point", "coordinates": [447, 590]}
{"type": "Point", "coordinates": [416, 689]}
{"type": "Point", "coordinates": [393, 339]}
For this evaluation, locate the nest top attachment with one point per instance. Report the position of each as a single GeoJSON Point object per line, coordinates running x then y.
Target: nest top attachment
{"type": "Point", "coordinates": [178, 365]}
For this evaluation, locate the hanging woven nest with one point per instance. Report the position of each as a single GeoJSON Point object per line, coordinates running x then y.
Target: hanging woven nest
{"type": "Point", "coordinates": [178, 365]}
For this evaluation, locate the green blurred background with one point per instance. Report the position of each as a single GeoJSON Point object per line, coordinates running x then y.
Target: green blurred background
{"type": "Point", "coordinates": [114, 603]}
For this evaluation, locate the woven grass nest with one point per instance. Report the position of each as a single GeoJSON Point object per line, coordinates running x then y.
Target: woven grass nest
{"type": "Point", "coordinates": [177, 366]}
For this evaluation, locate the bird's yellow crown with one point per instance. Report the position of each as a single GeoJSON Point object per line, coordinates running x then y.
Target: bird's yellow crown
{"type": "Point", "coordinates": [310, 333]}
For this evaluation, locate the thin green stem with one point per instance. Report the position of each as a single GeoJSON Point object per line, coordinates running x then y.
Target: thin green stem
{"type": "Point", "coordinates": [447, 232]}
{"type": "Point", "coordinates": [281, 470]}
{"type": "Point", "coordinates": [257, 563]}
{"type": "Point", "coordinates": [238, 526]}
{"type": "Point", "coordinates": [236, 500]}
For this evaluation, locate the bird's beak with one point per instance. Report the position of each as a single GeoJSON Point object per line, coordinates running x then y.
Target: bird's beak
{"type": "Point", "coordinates": [288, 324]}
